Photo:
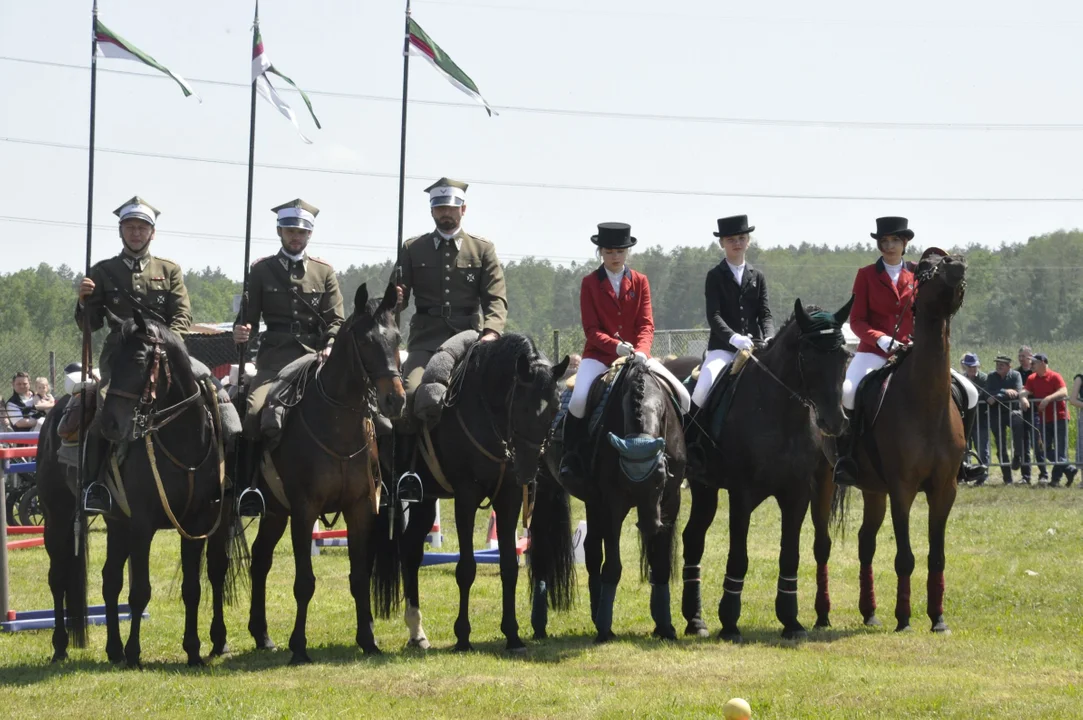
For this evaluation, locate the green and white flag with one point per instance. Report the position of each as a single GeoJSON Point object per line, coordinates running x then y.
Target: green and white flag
{"type": "Point", "coordinates": [421, 44]}
{"type": "Point", "coordinates": [111, 45]}
{"type": "Point", "coordinates": [261, 65]}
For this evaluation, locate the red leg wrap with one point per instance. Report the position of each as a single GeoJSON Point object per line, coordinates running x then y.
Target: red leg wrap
{"type": "Point", "coordinates": [867, 602]}
{"type": "Point", "coordinates": [936, 594]}
{"type": "Point", "coordinates": [823, 597]}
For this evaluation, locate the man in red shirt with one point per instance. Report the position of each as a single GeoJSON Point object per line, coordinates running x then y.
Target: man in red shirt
{"type": "Point", "coordinates": [1048, 388]}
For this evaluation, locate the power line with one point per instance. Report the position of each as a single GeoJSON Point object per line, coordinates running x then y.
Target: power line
{"type": "Point", "coordinates": [553, 186]}
{"type": "Point", "coordinates": [601, 114]}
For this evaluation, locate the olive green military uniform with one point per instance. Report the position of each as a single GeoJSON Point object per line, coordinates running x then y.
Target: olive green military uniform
{"type": "Point", "coordinates": [153, 285]}
{"type": "Point", "coordinates": [302, 306]}
{"type": "Point", "coordinates": [457, 285]}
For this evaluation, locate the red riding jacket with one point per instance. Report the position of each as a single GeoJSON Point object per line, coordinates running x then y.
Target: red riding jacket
{"type": "Point", "coordinates": [880, 306]}
{"type": "Point", "coordinates": [605, 316]}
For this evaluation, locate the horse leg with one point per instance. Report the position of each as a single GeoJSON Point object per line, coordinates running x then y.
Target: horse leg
{"type": "Point", "coordinates": [359, 522]}
{"type": "Point", "coordinates": [217, 570]}
{"type": "Point", "coordinates": [422, 516]}
{"type": "Point", "coordinates": [507, 519]}
{"type": "Point", "coordinates": [59, 540]}
{"type": "Point", "coordinates": [729, 607]}
{"type": "Point", "coordinates": [872, 517]}
{"type": "Point", "coordinates": [610, 575]}
{"type": "Point", "coordinates": [904, 558]}
{"type": "Point", "coordinates": [139, 592]}
{"type": "Point", "coordinates": [821, 548]}
{"type": "Point", "coordinates": [940, 505]}
{"type": "Point", "coordinates": [793, 506]}
{"type": "Point", "coordinates": [117, 543]}
{"type": "Point", "coordinates": [304, 581]}
{"type": "Point", "coordinates": [660, 559]}
{"type": "Point", "coordinates": [592, 556]}
{"type": "Point", "coordinates": [466, 508]}
{"type": "Point", "coordinates": [270, 532]}
{"type": "Point", "coordinates": [191, 552]}
{"type": "Point", "coordinates": [700, 518]}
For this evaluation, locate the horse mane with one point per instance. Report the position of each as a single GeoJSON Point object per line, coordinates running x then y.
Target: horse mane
{"type": "Point", "coordinates": [498, 360]}
{"type": "Point", "coordinates": [176, 351]}
{"type": "Point", "coordinates": [791, 330]}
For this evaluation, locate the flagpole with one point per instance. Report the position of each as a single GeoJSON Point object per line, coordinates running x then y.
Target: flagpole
{"type": "Point", "coordinates": [402, 148]}
{"type": "Point", "coordinates": [87, 354]}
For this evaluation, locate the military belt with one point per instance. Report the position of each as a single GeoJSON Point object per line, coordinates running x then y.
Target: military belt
{"type": "Point", "coordinates": [293, 328]}
{"type": "Point", "coordinates": [447, 311]}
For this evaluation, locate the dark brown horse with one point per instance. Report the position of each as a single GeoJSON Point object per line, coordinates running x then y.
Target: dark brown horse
{"type": "Point", "coordinates": [915, 445]}
{"type": "Point", "coordinates": [327, 462]}
{"type": "Point", "coordinates": [172, 476]}
{"type": "Point", "coordinates": [767, 445]}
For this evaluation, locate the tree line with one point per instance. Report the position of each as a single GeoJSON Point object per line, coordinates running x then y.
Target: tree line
{"type": "Point", "coordinates": [1022, 292]}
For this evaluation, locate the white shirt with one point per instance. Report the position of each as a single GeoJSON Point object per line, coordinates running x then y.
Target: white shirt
{"type": "Point", "coordinates": [296, 258]}
{"type": "Point", "coordinates": [737, 270]}
{"type": "Point", "coordinates": [446, 236]}
{"type": "Point", "coordinates": [615, 279]}
{"type": "Point", "coordinates": [893, 271]}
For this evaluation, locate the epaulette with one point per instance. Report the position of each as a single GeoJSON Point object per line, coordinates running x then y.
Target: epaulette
{"type": "Point", "coordinates": [479, 238]}
{"type": "Point", "coordinates": [166, 260]}
{"type": "Point", "coordinates": [257, 261]}
{"type": "Point", "coordinates": [321, 262]}
{"type": "Point", "coordinates": [411, 241]}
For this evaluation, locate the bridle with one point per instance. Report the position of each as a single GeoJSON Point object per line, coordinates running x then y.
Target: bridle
{"type": "Point", "coordinates": [368, 379]}
{"type": "Point", "coordinates": [147, 419]}
{"type": "Point", "coordinates": [806, 339]}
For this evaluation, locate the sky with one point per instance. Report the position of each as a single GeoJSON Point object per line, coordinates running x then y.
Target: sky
{"type": "Point", "coordinates": [813, 119]}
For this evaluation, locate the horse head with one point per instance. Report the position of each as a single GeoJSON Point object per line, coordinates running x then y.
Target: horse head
{"type": "Point", "coordinates": [149, 366]}
{"type": "Point", "coordinates": [821, 353]}
{"type": "Point", "coordinates": [941, 284]}
{"type": "Point", "coordinates": [370, 339]}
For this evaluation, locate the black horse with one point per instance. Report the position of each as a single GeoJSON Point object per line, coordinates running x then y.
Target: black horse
{"type": "Point", "coordinates": [768, 445]}
{"type": "Point", "coordinates": [172, 476]}
{"type": "Point", "coordinates": [328, 461]}
{"type": "Point", "coordinates": [487, 444]}
{"type": "Point", "coordinates": [638, 463]}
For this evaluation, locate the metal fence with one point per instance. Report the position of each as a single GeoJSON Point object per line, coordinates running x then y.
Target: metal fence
{"type": "Point", "coordinates": [1011, 438]}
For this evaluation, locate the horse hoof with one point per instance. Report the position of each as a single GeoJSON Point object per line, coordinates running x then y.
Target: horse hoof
{"type": "Point", "coordinates": [822, 624]}
{"type": "Point", "coordinates": [731, 636]}
{"type": "Point", "coordinates": [265, 643]}
{"type": "Point", "coordinates": [795, 634]}
{"type": "Point", "coordinates": [904, 628]}
{"type": "Point", "coordinates": [196, 662]}
{"type": "Point", "coordinates": [220, 651]}
{"type": "Point", "coordinates": [541, 635]}
{"type": "Point", "coordinates": [59, 656]}
{"type": "Point", "coordinates": [603, 638]}
{"type": "Point", "coordinates": [697, 629]}
{"type": "Point", "coordinates": [134, 665]}
{"type": "Point", "coordinates": [463, 646]}
{"type": "Point", "coordinates": [371, 650]}
{"type": "Point", "coordinates": [421, 643]}
{"type": "Point", "coordinates": [872, 621]}
{"type": "Point", "coordinates": [116, 659]}
{"type": "Point", "coordinates": [669, 633]}
{"type": "Point", "coordinates": [941, 627]}
{"type": "Point", "coordinates": [300, 659]}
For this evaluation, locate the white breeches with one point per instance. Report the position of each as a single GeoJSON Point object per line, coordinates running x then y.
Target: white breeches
{"type": "Point", "coordinates": [710, 370]}
{"type": "Point", "coordinates": [589, 370]}
{"type": "Point", "coordinates": [971, 391]}
{"type": "Point", "coordinates": [861, 365]}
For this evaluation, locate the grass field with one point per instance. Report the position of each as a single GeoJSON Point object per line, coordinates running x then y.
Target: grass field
{"type": "Point", "coordinates": [1013, 603]}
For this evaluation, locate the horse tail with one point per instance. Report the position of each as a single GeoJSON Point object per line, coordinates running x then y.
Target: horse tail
{"type": "Point", "coordinates": [552, 559]}
{"type": "Point", "coordinates": [387, 567]}
{"type": "Point", "coordinates": [840, 507]}
{"type": "Point", "coordinates": [238, 560]}
{"type": "Point", "coordinates": [75, 596]}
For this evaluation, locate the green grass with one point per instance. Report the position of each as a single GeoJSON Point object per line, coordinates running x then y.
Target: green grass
{"type": "Point", "coordinates": [1014, 650]}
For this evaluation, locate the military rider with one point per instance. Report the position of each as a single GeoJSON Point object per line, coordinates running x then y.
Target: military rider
{"type": "Point", "coordinates": [300, 302]}
{"type": "Point", "coordinates": [452, 275]}
{"type": "Point", "coordinates": [120, 284]}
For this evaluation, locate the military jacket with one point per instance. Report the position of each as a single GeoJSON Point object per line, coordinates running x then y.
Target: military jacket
{"type": "Point", "coordinates": [300, 302]}
{"type": "Point", "coordinates": [154, 285]}
{"type": "Point", "coordinates": [457, 286]}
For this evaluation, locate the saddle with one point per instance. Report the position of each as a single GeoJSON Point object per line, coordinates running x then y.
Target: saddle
{"type": "Point", "coordinates": [720, 399]}
{"type": "Point", "coordinates": [69, 426]}
{"type": "Point", "coordinates": [445, 363]}
{"type": "Point", "coordinates": [286, 391]}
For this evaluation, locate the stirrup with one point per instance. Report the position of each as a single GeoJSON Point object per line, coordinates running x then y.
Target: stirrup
{"type": "Point", "coordinates": [96, 499]}
{"type": "Point", "coordinates": [408, 489]}
{"type": "Point", "coordinates": [250, 503]}
{"type": "Point", "coordinates": [845, 477]}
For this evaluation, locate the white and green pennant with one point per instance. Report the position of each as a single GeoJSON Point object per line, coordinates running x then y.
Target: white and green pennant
{"type": "Point", "coordinates": [111, 45]}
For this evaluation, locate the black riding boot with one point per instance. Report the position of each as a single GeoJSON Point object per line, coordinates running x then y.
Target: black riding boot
{"type": "Point", "coordinates": [845, 465]}
{"type": "Point", "coordinates": [971, 472]}
{"type": "Point", "coordinates": [573, 469]}
{"type": "Point", "coordinates": [695, 440]}
{"type": "Point", "coordinates": [96, 497]}
{"type": "Point", "coordinates": [250, 502]}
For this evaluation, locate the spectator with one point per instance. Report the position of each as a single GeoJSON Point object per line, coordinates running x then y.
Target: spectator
{"type": "Point", "coordinates": [1076, 400]}
{"type": "Point", "coordinates": [43, 399]}
{"type": "Point", "coordinates": [1031, 436]}
{"type": "Point", "coordinates": [979, 438]}
{"type": "Point", "coordinates": [1003, 390]}
{"type": "Point", "coordinates": [1047, 386]}
{"type": "Point", "coordinates": [573, 368]}
{"type": "Point", "coordinates": [20, 407]}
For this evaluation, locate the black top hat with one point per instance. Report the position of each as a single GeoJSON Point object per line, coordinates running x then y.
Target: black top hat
{"type": "Point", "coordinates": [733, 225]}
{"type": "Point", "coordinates": [892, 226]}
{"type": "Point", "coordinates": [614, 235]}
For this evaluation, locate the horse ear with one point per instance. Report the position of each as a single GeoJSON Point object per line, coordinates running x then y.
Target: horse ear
{"type": "Point", "coordinates": [390, 300]}
{"type": "Point", "coordinates": [561, 368]}
{"type": "Point", "coordinates": [844, 312]}
{"type": "Point", "coordinates": [140, 323]}
{"type": "Point", "coordinates": [361, 299]}
{"type": "Point", "coordinates": [114, 321]}
{"type": "Point", "coordinates": [799, 312]}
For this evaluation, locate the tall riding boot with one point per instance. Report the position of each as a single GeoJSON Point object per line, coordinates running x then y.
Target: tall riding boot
{"type": "Point", "coordinates": [250, 502]}
{"type": "Point", "coordinates": [845, 465]}
{"type": "Point", "coordinates": [967, 471]}
{"type": "Point", "coordinates": [96, 497]}
{"type": "Point", "coordinates": [573, 469]}
{"type": "Point", "coordinates": [695, 439]}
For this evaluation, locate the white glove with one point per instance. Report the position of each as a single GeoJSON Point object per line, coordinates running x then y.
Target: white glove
{"type": "Point", "coordinates": [887, 344]}
{"type": "Point", "coordinates": [741, 342]}
{"type": "Point", "coordinates": [641, 355]}
{"type": "Point", "coordinates": [625, 349]}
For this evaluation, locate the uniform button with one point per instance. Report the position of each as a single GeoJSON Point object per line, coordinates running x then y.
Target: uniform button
{"type": "Point", "coordinates": [446, 302]}
{"type": "Point", "coordinates": [448, 277]}
{"type": "Point", "coordinates": [446, 290]}
{"type": "Point", "coordinates": [447, 267]}
{"type": "Point", "coordinates": [447, 254]}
